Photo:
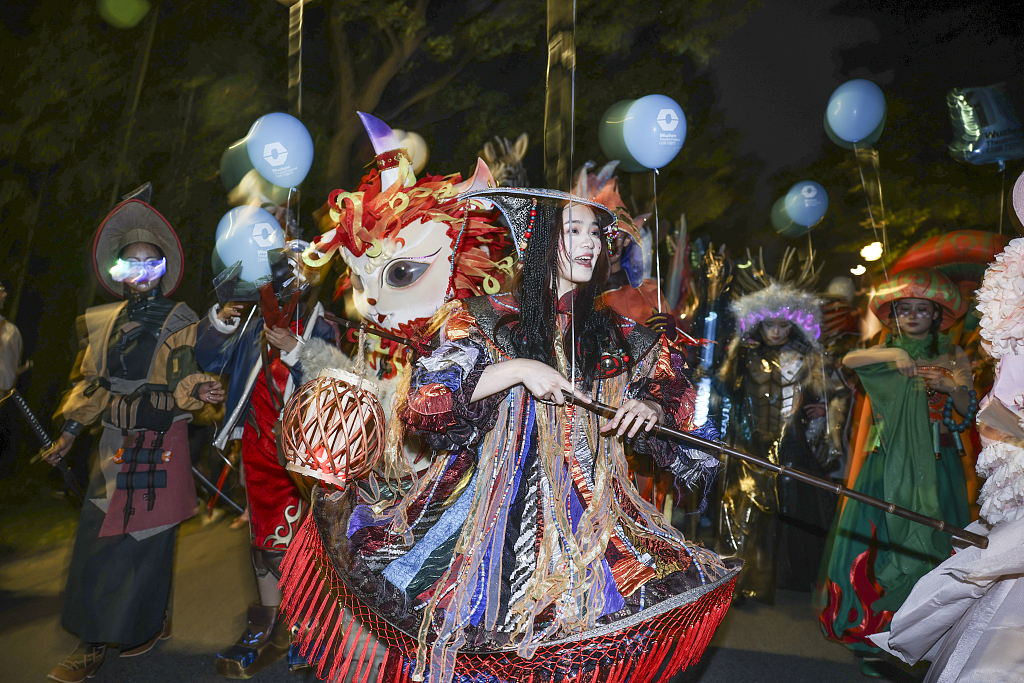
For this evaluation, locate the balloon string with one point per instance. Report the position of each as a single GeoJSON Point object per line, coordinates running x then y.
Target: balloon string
{"type": "Point", "coordinates": [1002, 196]}
{"type": "Point", "coordinates": [572, 150]}
{"type": "Point", "coordinates": [657, 239]}
{"type": "Point", "coordinates": [874, 229]}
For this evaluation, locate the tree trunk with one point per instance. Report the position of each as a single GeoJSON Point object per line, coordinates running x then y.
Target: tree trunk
{"type": "Point", "coordinates": [349, 128]}
{"type": "Point", "coordinates": [558, 107]}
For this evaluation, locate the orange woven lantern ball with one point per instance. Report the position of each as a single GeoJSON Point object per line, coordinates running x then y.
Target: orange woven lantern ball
{"type": "Point", "coordinates": [334, 428]}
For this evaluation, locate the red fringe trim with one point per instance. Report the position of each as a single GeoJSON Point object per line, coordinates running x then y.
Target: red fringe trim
{"type": "Point", "coordinates": [316, 601]}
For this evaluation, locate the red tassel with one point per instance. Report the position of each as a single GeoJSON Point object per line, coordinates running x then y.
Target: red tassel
{"type": "Point", "coordinates": [341, 651]}
{"type": "Point", "coordinates": [362, 655]}
{"type": "Point", "coordinates": [328, 651]}
{"type": "Point", "coordinates": [369, 662]}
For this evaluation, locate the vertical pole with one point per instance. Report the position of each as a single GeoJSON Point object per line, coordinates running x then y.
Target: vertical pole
{"type": "Point", "coordinates": [558, 104]}
{"type": "Point", "coordinates": [141, 66]}
{"type": "Point", "coordinates": [295, 16]}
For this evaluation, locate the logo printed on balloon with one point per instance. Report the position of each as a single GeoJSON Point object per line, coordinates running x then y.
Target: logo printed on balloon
{"type": "Point", "coordinates": [263, 235]}
{"type": "Point", "coordinates": [244, 235]}
{"type": "Point", "coordinates": [809, 191]}
{"type": "Point", "coordinates": [275, 153]}
{"type": "Point", "coordinates": [667, 119]}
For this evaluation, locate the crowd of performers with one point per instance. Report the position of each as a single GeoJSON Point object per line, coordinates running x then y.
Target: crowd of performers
{"type": "Point", "coordinates": [507, 525]}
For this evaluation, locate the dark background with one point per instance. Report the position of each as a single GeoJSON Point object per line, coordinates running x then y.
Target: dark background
{"type": "Point", "coordinates": [753, 79]}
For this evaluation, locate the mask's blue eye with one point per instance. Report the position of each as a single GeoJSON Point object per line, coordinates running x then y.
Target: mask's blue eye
{"type": "Point", "coordinates": [404, 273]}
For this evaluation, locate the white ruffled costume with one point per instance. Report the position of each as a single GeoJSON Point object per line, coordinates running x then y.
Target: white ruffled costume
{"type": "Point", "coordinates": [967, 615]}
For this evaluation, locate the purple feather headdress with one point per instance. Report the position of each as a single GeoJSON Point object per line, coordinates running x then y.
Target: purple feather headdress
{"type": "Point", "coordinates": [779, 301]}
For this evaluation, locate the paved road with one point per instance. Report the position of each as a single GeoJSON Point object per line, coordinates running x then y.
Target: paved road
{"type": "Point", "coordinates": [213, 585]}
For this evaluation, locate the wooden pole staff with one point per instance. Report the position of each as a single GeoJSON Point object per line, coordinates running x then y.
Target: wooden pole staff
{"type": "Point", "coordinates": [719, 447]}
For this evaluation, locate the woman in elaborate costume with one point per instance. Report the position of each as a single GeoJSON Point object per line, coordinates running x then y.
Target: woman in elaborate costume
{"type": "Point", "coordinates": [789, 408]}
{"type": "Point", "coordinates": [524, 533]}
{"type": "Point", "coordinates": [966, 616]}
{"type": "Point", "coordinates": [139, 376]}
{"type": "Point", "coordinates": [915, 381]}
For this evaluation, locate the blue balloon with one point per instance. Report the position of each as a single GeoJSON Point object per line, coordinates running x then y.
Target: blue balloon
{"type": "Point", "coordinates": [280, 149]}
{"type": "Point", "coordinates": [654, 130]}
{"type": "Point", "coordinates": [806, 203]}
{"type": "Point", "coordinates": [855, 109]}
{"type": "Point", "coordinates": [985, 127]}
{"type": "Point", "coordinates": [245, 234]}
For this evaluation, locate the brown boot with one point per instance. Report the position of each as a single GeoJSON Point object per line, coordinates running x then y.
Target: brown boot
{"type": "Point", "coordinates": [80, 664]}
{"type": "Point", "coordinates": [265, 640]}
{"type": "Point", "coordinates": [163, 634]}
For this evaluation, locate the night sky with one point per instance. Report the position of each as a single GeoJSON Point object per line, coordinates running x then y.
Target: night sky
{"type": "Point", "coordinates": [774, 75]}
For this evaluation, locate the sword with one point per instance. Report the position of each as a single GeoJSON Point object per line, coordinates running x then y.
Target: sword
{"type": "Point", "coordinates": [71, 485]}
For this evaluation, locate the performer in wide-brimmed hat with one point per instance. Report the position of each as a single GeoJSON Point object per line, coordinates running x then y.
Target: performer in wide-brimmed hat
{"type": "Point", "coordinates": [140, 379]}
{"type": "Point", "coordinates": [922, 397]}
{"type": "Point", "coordinates": [524, 541]}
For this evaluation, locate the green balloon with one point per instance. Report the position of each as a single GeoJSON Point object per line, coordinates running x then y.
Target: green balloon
{"type": "Point", "coordinates": [869, 141]}
{"type": "Point", "coordinates": [234, 164]}
{"type": "Point", "coordinates": [783, 224]}
{"type": "Point", "coordinates": [124, 14]}
{"type": "Point", "coordinates": [609, 134]}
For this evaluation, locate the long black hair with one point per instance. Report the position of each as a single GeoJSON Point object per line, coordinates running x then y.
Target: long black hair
{"type": "Point", "coordinates": [535, 288]}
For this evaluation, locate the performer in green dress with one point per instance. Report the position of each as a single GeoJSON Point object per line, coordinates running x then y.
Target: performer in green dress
{"type": "Point", "coordinates": [919, 385]}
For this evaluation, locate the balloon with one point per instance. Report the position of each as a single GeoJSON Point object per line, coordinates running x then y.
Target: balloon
{"type": "Point", "coordinates": [243, 183]}
{"type": "Point", "coordinates": [806, 203]}
{"type": "Point", "coordinates": [280, 149]}
{"type": "Point", "coordinates": [234, 164]}
{"type": "Point", "coordinates": [855, 109]}
{"type": "Point", "coordinates": [783, 224]}
{"type": "Point", "coordinates": [985, 127]}
{"type": "Point", "coordinates": [123, 13]}
{"type": "Point", "coordinates": [869, 141]}
{"type": "Point", "coordinates": [609, 134]}
{"type": "Point", "coordinates": [643, 134]}
{"type": "Point", "coordinates": [417, 148]}
{"type": "Point", "coordinates": [245, 234]}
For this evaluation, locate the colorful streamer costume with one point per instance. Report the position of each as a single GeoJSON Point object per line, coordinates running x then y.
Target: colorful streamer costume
{"type": "Point", "coordinates": [523, 553]}
{"type": "Point", "coordinates": [876, 558]}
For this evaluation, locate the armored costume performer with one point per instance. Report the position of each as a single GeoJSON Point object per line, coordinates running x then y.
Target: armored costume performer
{"type": "Point", "coordinates": [915, 381]}
{"type": "Point", "coordinates": [788, 407]}
{"type": "Point", "coordinates": [139, 377]}
{"type": "Point", "coordinates": [263, 356]}
{"type": "Point", "coordinates": [523, 551]}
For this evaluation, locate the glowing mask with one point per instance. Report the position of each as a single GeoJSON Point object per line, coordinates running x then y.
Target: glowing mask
{"type": "Point", "coordinates": [135, 272]}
